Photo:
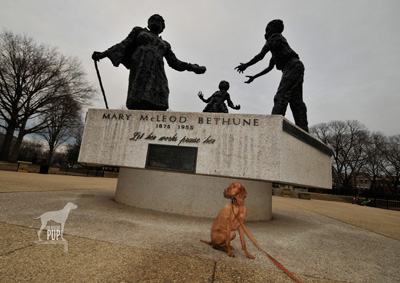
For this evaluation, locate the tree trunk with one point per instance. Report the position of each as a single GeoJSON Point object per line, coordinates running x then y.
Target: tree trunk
{"type": "Point", "coordinates": [51, 153]}
{"type": "Point", "coordinates": [396, 185]}
{"type": "Point", "coordinates": [17, 146]}
{"type": "Point", "coordinates": [6, 147]}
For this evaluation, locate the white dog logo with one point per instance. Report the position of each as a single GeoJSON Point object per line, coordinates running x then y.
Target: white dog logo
{"type": "Point", "coordinates": [59, 216]}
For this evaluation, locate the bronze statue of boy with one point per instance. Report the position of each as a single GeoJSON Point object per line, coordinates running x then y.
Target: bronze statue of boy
{"type": "Point", "coordinates": [290, 89]}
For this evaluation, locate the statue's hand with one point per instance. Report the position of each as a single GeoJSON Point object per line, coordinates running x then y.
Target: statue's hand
{"type": "Point", "coordinates": [251, 78]}
{"type": "Point", "coordinates": [237, 107]}
{"type": "Point", "coordinates": [97, 56]}
{"type": "Point", "coordinates": [200, 94]}
{"type": "Point", "coordinates": [241, 68]}
{"type": "Point", "coordinates": [203, 69]}
{"type": "Point", "coordinates": [197, 69]}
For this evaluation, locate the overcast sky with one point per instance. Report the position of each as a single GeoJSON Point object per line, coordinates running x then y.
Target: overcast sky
{"type": "Point", "coordinates": [350, 49]}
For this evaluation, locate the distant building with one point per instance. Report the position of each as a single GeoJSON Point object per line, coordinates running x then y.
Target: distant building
{"type": "Point", "coordinates": [386, 184]}
{"type": "Point", "coordinates": [362, 182]}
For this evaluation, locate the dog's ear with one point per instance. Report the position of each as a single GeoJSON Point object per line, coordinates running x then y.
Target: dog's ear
{"type": "Point", "coordinates": [242, 191]}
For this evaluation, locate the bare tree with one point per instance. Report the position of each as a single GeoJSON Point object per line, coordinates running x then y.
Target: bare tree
{"type": "Point", "coordinates": [63, 117]}
{"type": "Point", "coordinates": [31, 150]}
{"type": "Point", "coordinates": [375, 158]}
{"type": "Point", "coordinates": [347, 140]}
{"type": "Point", "coordinates": [32, 78]}
{"type": "Point", "coordinates": [357, 157]}
{"type": "Point", "coordinates": [74, 148]}
{"type": "Point", "coordinates": [391, 151]}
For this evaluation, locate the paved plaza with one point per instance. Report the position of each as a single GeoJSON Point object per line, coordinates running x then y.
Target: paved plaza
{"type": "Point", "coordinates": [318, 241]}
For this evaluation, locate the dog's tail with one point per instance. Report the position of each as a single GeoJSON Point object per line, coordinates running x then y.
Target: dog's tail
{"type": "Point", "coordinates": [206, 242]}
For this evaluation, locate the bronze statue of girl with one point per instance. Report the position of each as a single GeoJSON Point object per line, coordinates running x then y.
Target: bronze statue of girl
{"type": "Point", "coordinates": [216, 102]}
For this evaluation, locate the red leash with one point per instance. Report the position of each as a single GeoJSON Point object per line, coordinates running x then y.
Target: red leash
{"type": "Point", "coordinates": [270, 257]}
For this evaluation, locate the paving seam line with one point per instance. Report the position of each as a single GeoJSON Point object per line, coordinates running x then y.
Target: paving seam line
{"type": "Point", "coordinates": [18, 249]}
{"type": "Point", "coordinates": [306, 209]}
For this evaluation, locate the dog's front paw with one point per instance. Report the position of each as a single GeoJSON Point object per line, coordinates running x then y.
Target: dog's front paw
{"type": "Point", "coordinates": [250, 256]}
{"type": "Point", "coordinates": [231, 254]}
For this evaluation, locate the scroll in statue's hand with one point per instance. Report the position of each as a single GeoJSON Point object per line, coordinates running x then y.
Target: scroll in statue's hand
{"type": "Point", "coordinates": [196, 69]}
{"type": "Point", "coordinates": [200, 70]}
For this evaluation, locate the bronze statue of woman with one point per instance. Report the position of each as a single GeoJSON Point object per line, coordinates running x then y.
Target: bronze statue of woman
{"type": "Point", "coordinates": [143, 53]}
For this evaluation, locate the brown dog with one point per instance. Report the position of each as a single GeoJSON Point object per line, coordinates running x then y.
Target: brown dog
{"type": "Point", "coordinates": [228, 221]}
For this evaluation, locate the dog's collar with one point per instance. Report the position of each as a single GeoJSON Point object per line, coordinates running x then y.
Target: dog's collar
{"type": "Point", "coordinates": [232, 198]}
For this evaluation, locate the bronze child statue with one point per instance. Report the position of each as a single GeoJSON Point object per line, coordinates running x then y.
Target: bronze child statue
{"type": "Point", "coordinates": [143, 53]}
{"type": "Point", "coordinates": [216, 102]}
{"type": "Point", "coordinates": [290, 89]}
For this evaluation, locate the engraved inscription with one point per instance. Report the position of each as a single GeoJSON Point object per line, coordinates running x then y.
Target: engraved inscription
{"type": "Point", "coordinates": [171, 158]}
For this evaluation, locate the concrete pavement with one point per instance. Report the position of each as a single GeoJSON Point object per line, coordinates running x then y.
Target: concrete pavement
{"type": "Point", "coordinates": [318, 241]}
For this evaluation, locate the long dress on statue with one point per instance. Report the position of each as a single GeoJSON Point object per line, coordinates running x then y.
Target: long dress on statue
{"type": "Point", "coordinates": [143, 53]}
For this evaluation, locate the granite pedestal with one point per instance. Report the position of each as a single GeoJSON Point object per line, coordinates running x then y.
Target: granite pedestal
{"type": "Point", "coordinates": [180, 162]}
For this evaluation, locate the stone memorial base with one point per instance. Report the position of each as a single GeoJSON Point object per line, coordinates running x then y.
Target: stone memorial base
{"type": "Point", "coordinates": [187, 194]}
{"type": "Point", "coordinates": [181, 162]}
